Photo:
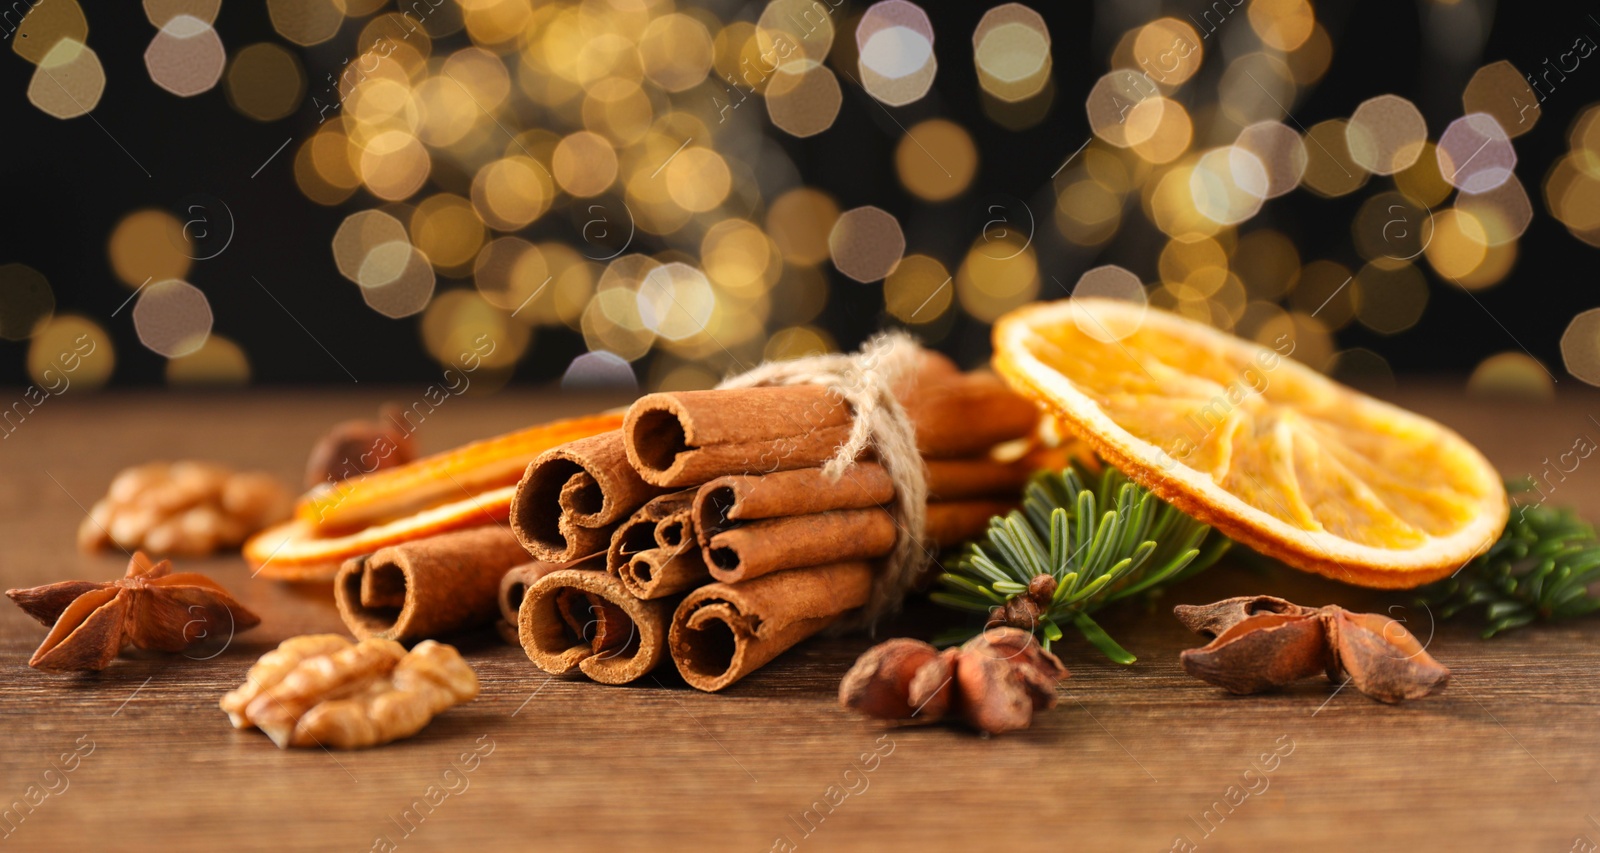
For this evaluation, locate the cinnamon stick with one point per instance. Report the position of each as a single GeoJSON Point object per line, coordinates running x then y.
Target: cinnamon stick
{"type": "Point", "coordinates": [514, 584]}
{"type": "Point", "coordinates": [428, 588]}
{"type": "Point", "coordinates": [585, 620]}
{"type": "Point", "coordinates": [744, 497]}
{"type": "Point", "coordinates": [664, 522]}
{"type": "Point", "coordinates": [976, 477]}
{"type": "Point", "coordinates": [968, 415]}
{"type": "Point", "coordinates": [953, 522]}
{"type": "Point", "coordinates": [660, 572]}
{"type": "Point", "coordinates": [774, 544]}
{"type": "Point", "coordinates": [572, 496]}
{"type": "Point", "coordinates": [723, 632]}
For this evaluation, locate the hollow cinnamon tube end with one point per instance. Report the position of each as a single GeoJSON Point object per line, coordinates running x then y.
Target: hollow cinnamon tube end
{"type": "Point", "coordinates": [585, 620]}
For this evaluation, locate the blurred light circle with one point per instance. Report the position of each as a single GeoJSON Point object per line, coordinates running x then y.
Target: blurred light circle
{"type": "Point", "coordinates": [69, 80]}
{"type": "Point", "coordinates": [1422, 182]}
{"type": "Point", "coordinates": [305, 22]}
{"type": "Point", "coordinates": [1580, 346]}
{"type": "Point", "coordinates": [394, 165]}
{"type": "Point", "coordinates": [866, 243]}
{"type": "Point", "coordinates": [359, 234]}
{"type": "Point", "coordinates": [1459, 243]}
{"type": "Point", "coordinates": [159, 12]}
{"type": "Point", "coordinates": [36, 31]}
{"type": "Point", "coordinates": [1109, 282]}
{"type": "Point", "coordinates": [994, 279]}
{"type": "Point", "coordinates": [172, 317]}
{"type": "Point", "coordinates": [794, 35]}
{"type": "Point", "coordinates": [584, 164]}
{"type": "Point", "coordinates": [800, 221]}
{"type": "Point", "coordinates": [1281, 153]}
{"type": "Point", "coordinates": [218, 362]}
{"type": "Point", "coordinates": [144, 246]}
{"type": "Point", "coordinates": [1511, 376]}
{"type": "Point", "coordinates": [1168, 50]}
{"type": "Point", "coordinates": [803, 103]}
{"type": "Point", "coordinates": [73, 349]}
{"type": "Point", "coordinates": [1167, 135]}
{"type": "Point", "coordinates": [894, 40]}
{"type": "Point", "coordinates": [186, 57]}
{"type": "Point", "coordinates": [512, 192]}
{"type": "Point", "coordinates": [460, 325]}
{"type": "Point", "coordinates": [1256, 87]}
{"type": "Point", "coordinates": [1228, 184]}
{"type": "Point", "coordinates": [1111, 103]}
{"type": "Point", "coordinates": [1326, 294]}
{"type": "Point", "coordinates": [1475, 155]}
{"type": "Point", "coordinates": [1282, 24]}
{"type": "Point", "coordinates": [265, 82]}
{"type": "Point", "coordinates": [1330, 169]}
{"type": "Point", "coordinates": [384, 263]}
{"type": "Point", "coordinates": [697, 179]}
{"type": "Point", "coordinates": [1504, 211]}
{"type": "Point", "coordinates": [1267, 263]}
{"type": "Point", "coordinates": [738, 257]}
{"type": "Point", "coordinates": [936, 160]}
{"type": "Point", "coordinates": [675, 52]}
{"type": "Point", "coordinates": [797, 342]}
{"type": "Point", "coordinates": [675, 301]}
{"type": "Point", "coordinates": [482, 74]}
{"type": "Point", "coordinates": [919, 290]}
{"type": "Point", "coordinates": [1011, 49]}
{"type": "Point", "coordinates": [445, 228]}
{"type": "Point", "coordinates": [1392, 227]}
{"type": "Point", "coordinates": [26, 301]}
{"type": "Point", "coordinates": [1386, 134]}
{"type": "Point", "coordinates": [599, 371]}
{"type": "Point", "coordinates": [1502, 91]}
{"type": "Point", "coordinates": [410, 289]}
{"type": "Point", "coordinates": [1392, 298]}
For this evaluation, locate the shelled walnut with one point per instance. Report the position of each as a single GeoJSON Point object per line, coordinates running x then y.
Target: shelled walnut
{"type": "Point", "coordinates": [185, 508]}
{"type": "Point", "coordinates": [323, 690]}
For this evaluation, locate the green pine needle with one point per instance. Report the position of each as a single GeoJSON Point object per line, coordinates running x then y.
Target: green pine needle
{"type": "Point", "coordinates": [1101, 536]}
{"type": "Point", "coordinates": [1540, 569]}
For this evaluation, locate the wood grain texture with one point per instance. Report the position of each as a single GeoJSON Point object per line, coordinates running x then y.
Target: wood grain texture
{"type": "Point", "coordinates": [1506, 758]}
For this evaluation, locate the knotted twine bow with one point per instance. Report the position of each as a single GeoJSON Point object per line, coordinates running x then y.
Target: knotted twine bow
{"type": "Point", "coordinates": [866, 381]}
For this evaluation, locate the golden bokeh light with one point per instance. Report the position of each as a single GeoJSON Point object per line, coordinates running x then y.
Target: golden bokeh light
{"type": "Point", "coordinates": [675, 301]}
{"type": "Point", "coordinates": [1500, 90]}
{"type": "Point", "coordinates": [805, 102]}
{"type": "Point", "coordinates": [1325, 293]}
{"type": "Point", "coordinates": [68, 81]}
{"type": "Point", "coordinates": [1422, 182]}
{"type": "Point", "coordinates": [359, 234]}
{"type": "Point", "coordinates": [26, 301]}
{"type": "Point", "coordinates": [1580, 346]}
{"type": "Point", "coordinates": [460, 324]}
{"type": "Point", "coordinates": [1504, 211]}
{"type": "Point", "coordinates": [798, 342]}
{"type": "Point", "coordinates": [148, 245]}
{"type": "Point", "coordinates": [675, 52]}
{"type": "Point", "coordinates": [186, 57]}
{"type": "Point", "coordinates": [1331, 170]}
{"type": "Point", "coordinates": [512, 192]}
{"type": "Point", "coordinates": [1111, 105]}
{"type": "Point", "coordinates": [1255, 87]}
{"type": "Point", "coordinates": [1267, 263]}
{"type": "Point", "coordinates": [44, 26]}
{"type": "Point", "coordinates": [800, 221]}
{"type": "Point", "coordinates": [1282, 24]}
{"type": "Point", "coordinates": [697, 179]}
{"type": "Point", "coordinates": [1168, 50]}
{"type": "Point", "coordinates": [794, 35]}
{"type": "Point", "coordinates": [265, 82]}
{"type": "Point", "coordinates": [584, 164]}
{"type": "Point", "coordinates": [396, 280]}
{"type": "Point", "coordinates": [1386, 134]}
{"type": "Point", "coordinates": [936, 160]}
{"type": "Point", "coordinates": [1228, 185]}
{"type": "Point", "coordinates": [919, 290]}
{"type": "Point", "coordinates": [1459, 243]}
{"type": "Point", "coordinates": [448, 231]}
{"type": "Point", "coordinates": [218, 362]}
{"type": "Point", "coordinates": [866, 243]}
{"type": "Point", "coordinates": [894, 44]}
{"type": "Point", "coordinates": [172, 317]}
{"type": "Point", "coordinates": [1280, 151]}
{"type": "Point", "coordinates": [1391, 298]}
{"type": "Point", "coordinates": [1474, 153]}
{"type": "Point", "coordinates": [1011, 49]}
{"type": "Point", "coordinates": [305, 22]}
{"type": "Point", "coordinates": [1511, 376]}
{"type": "Point", "coordinates": [996, 276]}
{"type": "Point", "coordinates": [159, 12]}
{"type": "Point", "coordinates": [1171, 133]}
{"type": "Point", "coordinates": [71, 351]}
{"type": "Point", "coordinates": [394, 165]}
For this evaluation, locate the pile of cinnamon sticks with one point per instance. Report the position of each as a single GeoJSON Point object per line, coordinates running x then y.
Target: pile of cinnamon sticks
{"type": "Point", "coordinates": [703, 529]}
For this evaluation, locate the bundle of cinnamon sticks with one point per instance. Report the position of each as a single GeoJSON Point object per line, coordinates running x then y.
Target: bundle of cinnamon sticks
{"type": "Point", "coordinates": [705, 529]}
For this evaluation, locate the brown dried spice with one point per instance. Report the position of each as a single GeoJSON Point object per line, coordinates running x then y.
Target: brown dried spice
{"type": "Point", "coordinates": [322, 690]}
{"type": "Point", "coordinates": [352, 448]}
{"type": "Point", "coordinates": [994, 682]}
{"type": "Point", "coordinates": [148, 608]}
{"type": "Point", "coordinates": [1261, 642]}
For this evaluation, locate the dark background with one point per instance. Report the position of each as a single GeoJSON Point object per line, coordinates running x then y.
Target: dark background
{"type": "Point", "coordinates": [66, 184]}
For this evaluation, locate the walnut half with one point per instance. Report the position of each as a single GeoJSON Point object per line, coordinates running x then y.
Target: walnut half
{"type": "Point", "coordinates": [323, 690]}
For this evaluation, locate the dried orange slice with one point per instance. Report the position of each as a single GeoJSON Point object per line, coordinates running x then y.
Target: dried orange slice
{"type": "Point", "coordinates": [1261, 447]}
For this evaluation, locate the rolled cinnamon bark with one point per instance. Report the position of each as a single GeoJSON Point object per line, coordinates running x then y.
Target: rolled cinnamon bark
{"type": "Point", "coordinates": [514, 584]}
{"type": "Point", "coordinates": [572, 496]}
{"type": "Point", "coordinates": [976, 477]}
{"type": "Point", "coordinates": [428, 588]}
{"type": "Point", "coordinates": [660, 572]}
{"type": "Point", "coordinates": [968, 415]}
{"type": "Point", "coordinates": [586, 620]}
{"type": "Point", "coordinates": [723, 632]}
{"type": "Point", "coordinates": [663, 522]}
{"type": "Point", "coordinates": [775, 544]}
{"type": "Point", "coordinates": [803, 491]}
{"type": "Point", "coordinates": [686, 438]}
{"type": "Point", "coordinates": [953, 522]}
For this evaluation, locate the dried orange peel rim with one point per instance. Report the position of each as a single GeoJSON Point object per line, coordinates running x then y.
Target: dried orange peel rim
{"type": "Point", "coordinates": [1194, 492]}
{"type": "Point", "coordinates": [293, 551]}
{"type": "Point", "coordinates": [469, 486]}
{"type": "Point", "coordinates": [393, 493]}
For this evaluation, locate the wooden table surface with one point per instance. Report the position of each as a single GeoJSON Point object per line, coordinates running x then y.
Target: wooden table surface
{"type": "Point", "coordinates": [1137, 758]}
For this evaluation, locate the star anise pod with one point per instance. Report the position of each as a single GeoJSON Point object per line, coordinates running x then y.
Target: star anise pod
{"type": "Point", "coordinates": [148, 608]}
{"type": "Point", "coordinates": [1261, 642]}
